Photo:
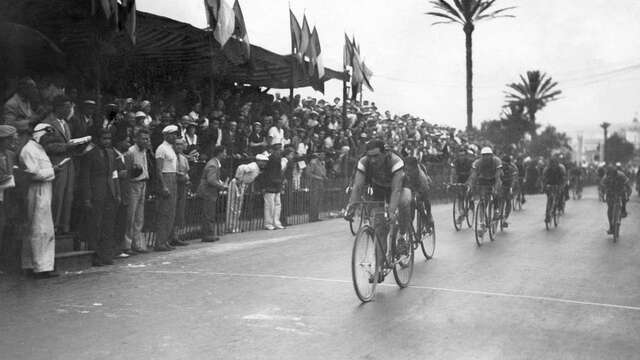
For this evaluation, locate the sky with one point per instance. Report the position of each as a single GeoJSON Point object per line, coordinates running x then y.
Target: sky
{"type": "Point", "coordinates": [591, 47]}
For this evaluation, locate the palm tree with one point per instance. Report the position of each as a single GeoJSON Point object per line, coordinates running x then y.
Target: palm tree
{"type": "Point", "coordinates": [467, 13]}
{"type": "Point", "coordinates": [533, 93]}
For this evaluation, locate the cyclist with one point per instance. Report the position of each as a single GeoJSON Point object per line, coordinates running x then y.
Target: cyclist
{"type": "Point", "coordinates": [418, 181]}
{"type": "Point", "coordinates": [613, 182]}
{"type": "Point", "coordinates": [553, 174]}
{"type": "Point", "coordinates": [509, 177]}
{"type": "Point", "coordinates": [522, 171]}
{"type": "Point", "coordinates": [576, 175]}
{"type": "Point", "coordinates": [383, 171]}
{"type": "Point", "coordinates": [487, 171]}
{"type": "Point", "coordinates": [461, 166]}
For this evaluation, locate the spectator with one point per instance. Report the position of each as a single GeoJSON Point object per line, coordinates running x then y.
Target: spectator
{"type": "Point", "coordinates": [317, 173]}
{"type": "Point", "coordinates": [59, 149]}
{"type": "Point", "coordinates": [191, 140]}
{"type": "Point", "coordinates": [145, 107]}
{"type": "Point", "coordinates": [257, 140]}
{"type": "Point", "coordinates": [7, 181]}
{"type": "Point", "coordinates": [18, 107]}
{"type": "Point", "coordinates": [121, 221]}
{"type": "Point", "coordinates": [38, 248]}
{"type": "Point", "coordinates": [100, 193]}
{"type": "Point", "coordinates": [167, 166]}
{"type": "Point", "coordinates": [208, 190]}
{"type": "Point", "coordinates": [83, 121]}
{"type": "Point", "coordinates": [138, 166]}
{"type": "Point", "coordinates": [276, 132]}
{"type": "Point", "coordinates": [183, 182]}
{"type": "Point", "coordinates": [273, 187]}
{"type": "Point", "coordinates": [245, 175]}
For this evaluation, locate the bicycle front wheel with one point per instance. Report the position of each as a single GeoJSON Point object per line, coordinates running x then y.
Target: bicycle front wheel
{"type": "Point", "coordinates": [403, 257]}
{"type": "Point", "coordinates": [492, 223]}
{"type": "Point", "coordinates": [469, 211]}
{"type": "Point", "coordinates": [427, 235]}
{"type": "Point", "coordinates": [479, 222]}
{"type": "Point", "coordinates": [364, 267]}
{"type": "Point", "coordinates": [616, 222]}
{"type": "Point", "coordinates": [458, 212]}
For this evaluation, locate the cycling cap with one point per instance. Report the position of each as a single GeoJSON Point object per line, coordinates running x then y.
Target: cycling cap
{"type": "Point", "coordinates": [486, 151]}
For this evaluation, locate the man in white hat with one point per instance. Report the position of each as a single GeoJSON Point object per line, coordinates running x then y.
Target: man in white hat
{"type": "Point", "coordinates": [487, 172]}
{"type": "Point", "coordinates": [166, 165]}
{"type": "Point", "coordinates": [38, 248]}
{"type": "Point", "coordinates": [245, 175]}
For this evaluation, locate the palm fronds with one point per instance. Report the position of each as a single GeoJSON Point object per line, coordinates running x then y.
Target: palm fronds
{"type": "Point", "coordinates": [466, 11]}
{"type": "Point", "coordinates": [533, 92]}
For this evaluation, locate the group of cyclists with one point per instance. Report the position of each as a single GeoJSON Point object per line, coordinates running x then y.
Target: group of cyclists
{"type": "Point", "coordinates": [403, 183]}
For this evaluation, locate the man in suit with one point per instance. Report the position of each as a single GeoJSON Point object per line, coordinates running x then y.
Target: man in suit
{"type": "Point", "coordinates": [83, 121]}
{"type": "Point", "coordinates": [208, 189]}
{"type": "Point", "coordinates": [57, 146]}
{"type": "Point", "coordinates": [100, 194]}
{"type": "Point", "coordinates": [18, 107]}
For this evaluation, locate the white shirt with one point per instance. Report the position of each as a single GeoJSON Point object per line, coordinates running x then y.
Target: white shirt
{"type": "Point", "coordinates": [276, 135]}
{"type": "Point", "coordinates": [168, 155]}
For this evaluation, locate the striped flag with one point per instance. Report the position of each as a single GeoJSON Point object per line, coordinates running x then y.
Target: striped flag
{"type": "Point", "coordinates": [240, 28]}
{"type": "Point", "coordinates": [296, 35]}
{"type": "Point", "coordinates": [305, 38]}
{"type": "Point", "coordinates": [226, 22]}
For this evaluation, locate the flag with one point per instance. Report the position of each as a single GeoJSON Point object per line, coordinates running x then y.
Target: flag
{"type": "Point", "coordinates": [304, 38]}
{"type": "Point", "coordinates": [240, 29]}
{"type": "Point", "coordinates": [319, 64]}
{"type": "Point", "coordinates": [128, 18]}
{"type": "Point", "coordinates": [348, 52]}
{"type": "Point", "coordinates": [225, 24]}
{"type": "Point", "coordinates": [366, 76]}
{"type": "Point", "coordinates": [211, 10]}
{"type": "Point", "coordinates": [296, 34]}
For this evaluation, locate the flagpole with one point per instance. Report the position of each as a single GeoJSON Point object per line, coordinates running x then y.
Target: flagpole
{"type": "Point", "coordinates": [293, 64]}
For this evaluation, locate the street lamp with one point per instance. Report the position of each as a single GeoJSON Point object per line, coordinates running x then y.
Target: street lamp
{"type": "Point", "coordinates": [604, 126]}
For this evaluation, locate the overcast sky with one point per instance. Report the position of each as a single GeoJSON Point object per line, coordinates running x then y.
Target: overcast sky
{"type": "Point", "coordinates": [589, 46]}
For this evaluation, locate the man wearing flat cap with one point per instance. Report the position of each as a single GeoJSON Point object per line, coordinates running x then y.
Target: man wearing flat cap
{"type": "Point", "coordinates": [56, 144]}
{"type": "Point", "coordinates": [82, 122]}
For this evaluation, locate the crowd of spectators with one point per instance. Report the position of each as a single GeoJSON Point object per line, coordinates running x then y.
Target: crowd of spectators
{"type": "Point", "coordinates": [88, 164]}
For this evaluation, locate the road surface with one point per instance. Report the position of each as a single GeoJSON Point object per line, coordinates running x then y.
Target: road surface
{"type": "Point", "coordinates": [569, 293]}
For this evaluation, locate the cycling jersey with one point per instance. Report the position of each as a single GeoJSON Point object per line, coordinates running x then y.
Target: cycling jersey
{"type": "Point", "coordinates": [462, 165]}
{"type": "Point", "coordinates": [616, 183]}
{"type": "Point", "coordinates": [486, 169]}
{"type": "Point", "coordinates": [381, 174]}
{"type": "Point", "coordinates": [509, 174]}
{"type": "Point", "coordinates": [554, 175]}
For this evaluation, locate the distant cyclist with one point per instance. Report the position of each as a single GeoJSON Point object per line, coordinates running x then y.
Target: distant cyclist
{"type": "Point", "coordinates": [614, 183]}
{"type": "Point", "coordinates": [383, 170]}
{"type": "Point", "coordinates": [576, 178]}
{"type": "Point", "coordinates": [487, 171]}
{"type": "Point", "coordinates": [461, 169]}
{"type": "Point", "coordinates": [418, 181]}
{"type": "Point", "coordinates": [553, 174]}
{"type": "Point", "coordinates": [509, 177]}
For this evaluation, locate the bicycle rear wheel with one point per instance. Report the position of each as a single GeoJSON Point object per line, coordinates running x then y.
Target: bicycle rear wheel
{"type": "Point", "coordinates": [616, 221]}
{"type": "Point", "coordinates": [479, 222]}
{"type": "Point", "coordinates": [492, 224]}
{"type": "Point", "coordinates": [403, 257]}
{"type": "Point", "coordinates": [426, 236]}
{"type": "Point", "coordinates": [469, 211]}
{"type": "Point", "coordinates": [364, 267]}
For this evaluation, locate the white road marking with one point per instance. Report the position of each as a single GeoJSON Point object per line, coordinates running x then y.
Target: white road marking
{"type": "Point", "coordinates": [460, 291]}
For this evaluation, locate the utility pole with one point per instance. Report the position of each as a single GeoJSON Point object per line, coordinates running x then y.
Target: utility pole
{"type": "Point", "coordinates": [603, 149]}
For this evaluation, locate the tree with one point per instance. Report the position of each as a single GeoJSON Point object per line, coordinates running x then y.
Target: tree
{"type": "Point", "coordinates": [533, 93]}
{"type": "Point", "coordinates": [549, 142]}
{"type": "Point", "coordinates": [467, 13]}
{"type": "Point", "coordinates": [618, 149]}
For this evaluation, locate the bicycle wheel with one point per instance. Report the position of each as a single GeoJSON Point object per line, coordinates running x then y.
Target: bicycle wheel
{"type": "Point", "coordinates": [427, 237]}
{"type": "Point", "coordinates": [470, 211]}
{"type": "Point", "coordinates": [492, 223]}
{"type": "Point", "coordinates": [403, 257]}
{"type": "Point", "coordinates": [556, 217]}
{"type": "Point", "coordinates": [364, 267]}
{"type": "Point", "coordinates": [503, 211]}
{"type": "Point", "coordinates": [458, 212]}
{"type": "Point", "coordinates": [479, 222]}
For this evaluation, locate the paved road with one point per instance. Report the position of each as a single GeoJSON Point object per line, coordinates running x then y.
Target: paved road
{"type": "Point", "coordinates": [532, 294]}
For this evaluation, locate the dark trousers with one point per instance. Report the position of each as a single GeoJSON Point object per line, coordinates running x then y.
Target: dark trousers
{"type": "Point", "coordinates": [63, 187]}
{"type": "Point", "coordinates": [166, 211]}
{"type": "Point", "coordinates": [121, 225]}
{"type": "Point", "coordinates": [209, 209]}
{"type": "Point", "coordinates": [315, 199]}
{"type": "Point", "coordinates": [181, 203]}
{"type": "Point", "coordinates": [102, 224]}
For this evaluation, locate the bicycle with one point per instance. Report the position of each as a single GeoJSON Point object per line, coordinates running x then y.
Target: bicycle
{"type": "Point", "coordinates": [484, 218]}
{"type": "Point", "coordinates": [367, 250]}
{"type": "Point", "coordinates": [552, 212]}
{"type": "Point", "coordinates": [462, 205]}
{"type": "Point", "coordinates": [616, 216]}
{"type": "Point", "coordinates": [576, 189]}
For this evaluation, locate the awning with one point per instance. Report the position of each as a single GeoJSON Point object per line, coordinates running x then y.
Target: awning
{"type": "Point", "coordinates": [160, 41]}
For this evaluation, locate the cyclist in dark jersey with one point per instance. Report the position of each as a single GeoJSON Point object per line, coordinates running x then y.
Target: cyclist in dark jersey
{"type": "Point", "coordinates": [614, 182]}
{"type": "Point", "coordinates": [553, 174]}
{"type": "Point", "coordinates": [461, 165]}
{"type": "Point", "coordinates": [418, 181]}
{"type": "Point", "coordinates": [487, 171]}
{"type": "Point", "coordinates": [383, 170]}
{"type": "Point", "coordinates": [509, 177]}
